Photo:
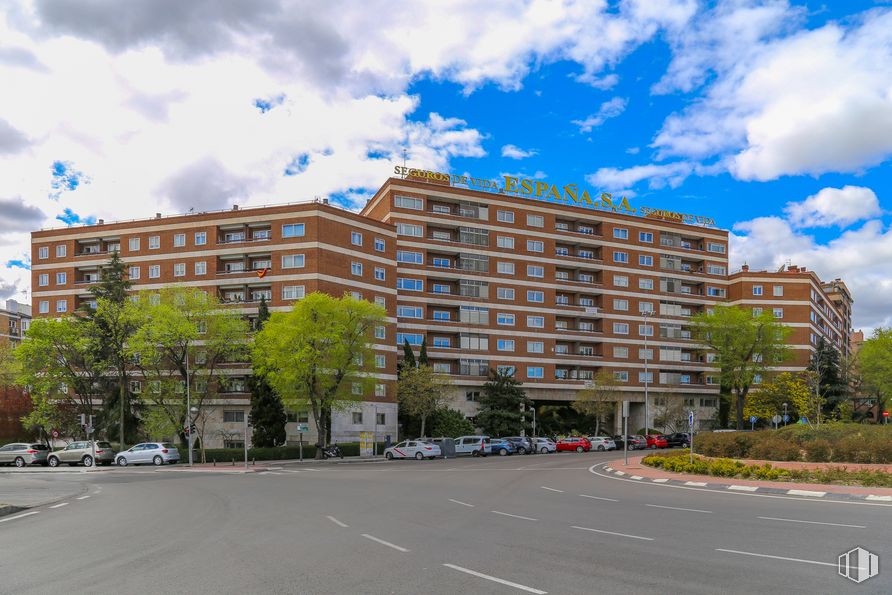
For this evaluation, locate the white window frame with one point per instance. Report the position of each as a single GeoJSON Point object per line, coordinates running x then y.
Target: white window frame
{"type": "Point", "coordinates": [179, 240]}
{"type": "Point", "coordinates": [201, 238]}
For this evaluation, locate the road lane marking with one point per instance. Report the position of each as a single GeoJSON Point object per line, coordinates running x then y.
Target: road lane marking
{"type": "Point", "coordinates": [387, 543]}
{"type": "Point", "coordinates": [552, 489]}
{"type": "Point", "coordinates": [59, 505]}
{"type": "Point", "coordinates": [771, 518]}
{"type": "Point", "coordinates": [676, 508]}
{"type": "Point", "coordinates": [879, 498]}
{"type": "Point", "coordinates": [806, 493]}
{"type": "Point", "coordinates": [661, 480]}
{"type": "Point", "coordinates": [743, 488]}
{"type": "Point", "coordinates": [620, 473]}
{"type": "Point", "coordinates": [516, 516]}
{"type": "Point", "coordinates": [612, 533]}
{"type": "Point", "coordinates": [494, 579]}
{"type": "Point", "coordinates": [695, 483]}
{"type": "Point", "coordinates": [462, 503]}
{"type": "Point", "coordinates": [608, 468]}
{"type": "Point", "coordinates": [598, 498]}
{"type": "Point", "coordinates": [19, 516]}
{"type": "Point", "coordinates": [635, 477]}
{"type": "Point", "coordinates": [337, 522]}
{"type": "Point", "coordinates": [82, 498]}
{"type": "Point", "coordinates": [775, 557]}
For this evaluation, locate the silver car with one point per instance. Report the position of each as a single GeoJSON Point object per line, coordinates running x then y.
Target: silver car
{"type": "Point", "coordinates": [156, 453]}
{"type": "Point", "coordinates": [81, 453]}
{"type": "Point", "coordinates": [23, 453]}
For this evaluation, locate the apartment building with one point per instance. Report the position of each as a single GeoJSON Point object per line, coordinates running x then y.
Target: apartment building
{"type": "Point", "coordinates": [553, 292]}
{"type": "Point", "coordinates": [14, 321]}
{"type": "Point", "coordinates": [801, 301]}
{"type": "Point", "coordinates": [280, 253]}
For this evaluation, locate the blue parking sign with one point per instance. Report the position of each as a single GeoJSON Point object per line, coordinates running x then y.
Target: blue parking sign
{"type": "Point", "coordinates": [753, 419]}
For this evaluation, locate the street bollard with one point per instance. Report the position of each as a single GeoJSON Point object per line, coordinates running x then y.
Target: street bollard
{"type": "Point", "coordinates": [215, 462]}
{"type": "Point", "coordinates": [254, 461]}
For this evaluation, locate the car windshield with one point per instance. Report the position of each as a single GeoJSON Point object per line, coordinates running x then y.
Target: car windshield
{"type": "Point", "coordinates": [168, 446]}
{"type": "Point", "coordinates": [39, 447]}
{"type": "Point", "coordinates": [103, 445]}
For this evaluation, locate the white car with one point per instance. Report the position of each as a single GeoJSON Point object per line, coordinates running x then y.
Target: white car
{"type": "Point", "coordinates": [412, 449]}
{"type": "Point", "coordinates": [544, 445]}
{"type": "Point", "coordinates": [602, 443]}
{"type": "Point", "coordinates": [471, 445]}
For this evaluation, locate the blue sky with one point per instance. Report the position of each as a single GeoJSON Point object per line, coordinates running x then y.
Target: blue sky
{"type": "Point", "coordinates": [772, 116]}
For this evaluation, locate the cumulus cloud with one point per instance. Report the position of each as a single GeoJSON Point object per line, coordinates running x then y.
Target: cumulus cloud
{"type": "Point", "coordinates": [658, 175]}
{"type": "Point", "coordinates": [205, 185]}
{"type": "Point", "coordinates": [834, 206]}
{"type": "Point", "coordinates": [515, 152]}
{"type": "Point", "coordinates": [609, 109]}
{"type": "Point", "coordinates": [11, 140]}
{"type": "Point", "coordinates": [18, 216]}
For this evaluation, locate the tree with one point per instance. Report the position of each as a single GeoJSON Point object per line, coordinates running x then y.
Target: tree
{"type": "Point", "coordinates": [745, 345]}
{"type": "Point", "coordinates": [49, 413]}
{"type": "Point", "coordinates": [267, 410]}
{"type": "Point", "coordinates": [450, 422]}
{"type": "Point", "coordinates": [422, 352]}
{"type": "Point", "coordinates": [10, 368]}
{"type": "Point", "coordinates": [670, 414]}
{"type": "Point", "coordinates": [876, 364]}
{"type": "Point", "coordinates": [179, 325]}
{"type": "Point", "coordinates": [408, 360]}
{"type": "Point", "coordinates": [829, 383]}
{"type": "Point", "coordinates": [598, 398]}
{"type": "Point", "coordinates": [768, 400]}
{"type": "Point", "coordinates": [503, 405]}
{"type": "Point", "coordinates": [319, 355]}
{"type": "Point", "coordinates": [421, 392]}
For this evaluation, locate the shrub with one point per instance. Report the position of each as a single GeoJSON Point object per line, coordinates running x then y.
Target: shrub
{"type": "Point", "coordinates": [726, 468]}
{"type": "Point", "coordinates": [724, 444]}
{"type": "Point", "coordinates": [775, 449]}
{"type": "Point", "coordinates": [818, 451]}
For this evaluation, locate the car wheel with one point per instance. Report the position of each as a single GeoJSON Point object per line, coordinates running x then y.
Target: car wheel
{"type": "Point", "coordinates": [684, 445]}
{"type": "Point", "coordinates": [503, 452]}
{"type": "Point", "coordinates": [543, 450]}
{"type": "Point", "coordinates": [419, 456]}
{"type": "Point", "coordinates": [19, 462]}
{"type": "Point", "coordinates": [158, 460]}
{"type": "Point", "coordinates": [388, 456]}
{"type": "Point", "coordinates": [600, 447]}
{"type": "Point", "coordinates": [653, 446]}
{"type": "Point", "coordinates": [53, 462]}
{"type": "Point", "coordinates": [87, 461]}
{"type": "Point", "coordinates": [475, 453]}
{"type": "Point", "coordinates": [122, 462]}
{"type": "Point", "coordinates": [579, 449]}
{"type": "Point", "coordinates": [521, 451]}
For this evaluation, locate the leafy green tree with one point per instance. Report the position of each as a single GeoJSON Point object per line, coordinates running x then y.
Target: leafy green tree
{"type": "Point", "coordinates": [875, 362]}
{"type": "Point", "coordinates": [314, 355]}
{"type": "Point", "coordinates": [746, 346]}
{"type": "Point", "coordinates": [408, 360]}
{"type": "Point", "coordinates": [421, 392]}
{"type": "Point", "coordinates": [422, 353]}
{"type": "Point", "coordinates": [267, 410]}
{"type": "Point", "coordinates": [597, 399]}
{"type": "Point", "coordinates": [504, 406]}
{"type": "Point", "coordinates": [451, 423]}
{"type": "Point", "coordinates": [768, 400]}
{"type": "Point", "coordinates": [10, 368]}
{"type": "Point", "coordinates": [831, 387]}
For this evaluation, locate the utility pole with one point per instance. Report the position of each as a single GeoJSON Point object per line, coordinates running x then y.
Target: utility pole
{"type": "Point", "coordinates": [188, 405]}
{"type": "Point", "coordinates": [647, 314]}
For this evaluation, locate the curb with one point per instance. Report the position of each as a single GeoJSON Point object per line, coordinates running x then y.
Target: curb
{"type": "Point", "coordinates": [726, 487]}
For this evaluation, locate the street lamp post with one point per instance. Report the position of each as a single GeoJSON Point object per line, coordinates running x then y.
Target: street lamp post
{"type": "Point", "coordinates": [188, 406]}
{"type": "Point", "coordinates": [785, 415]}
{"type": "Point", "coordinates": [647, 314]}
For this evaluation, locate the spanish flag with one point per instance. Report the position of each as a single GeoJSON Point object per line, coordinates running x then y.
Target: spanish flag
{"type": "Point", "coordinates": [262, 273]}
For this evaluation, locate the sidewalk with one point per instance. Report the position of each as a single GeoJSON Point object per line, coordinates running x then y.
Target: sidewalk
{"type": "Point", "coordinates": [637, 471]}
{"type": "Point", "coordinates": [239, 465]}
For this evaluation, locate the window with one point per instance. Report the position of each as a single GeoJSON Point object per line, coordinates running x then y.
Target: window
{"type": "Point", "coordinates": [201, 267]}
{"type": "Point", "coordinates": [407, 229]}
{"type": "Point", "coordinates": [620, 257]}
{"type": "Point", "coordinates": [536, 321]}
{"type": "Point", "coordinates": [231, 417]}
{"type": "Point", "coordinates": [621, 305]}
{"type": "Point", "coordinates": [381, 391]}
{"type": "Point", "coordinates": [442, 263]}
{"type": "Point", "coordinates": [621, 233]}
{"type": "Point", "coordinates": [62, 306]}
{"type": "Point", "coordinates": [133, 244]}
{"type": "Point", "coordinates": [645, 260]}
{"type": "Point", "coordinates": [154, 242]}
{"type": "Point", "coordinates": [757, 379]}
{"type": "Point", "coordinates": [179, 240]}
{"type": "Point", "coordinates": [154, 271]}
{"type": "Point", "coordinates": [61, 251]}
{"type": "Point", "coordinates": [535, 221]}
{"type": "Point", "coordinates": [292, 292]}
{"type": "Point", "coordinates": [621, 352]}
{"type": "Point", "coordinates": [646, 236]}
{"type": "Point", "coordinates": [645, 377]}
{"type": "Point", "coordinates": [535, 246]}
{"type": "Point", "coordinates": [620, 328]}
{"type": "Point", "coordinates": [535, 271]}
{"type": "Point", "coordinates": [505, 268]}
{"type": "Point", "coordinates": [293, 230]}
{"type": "Point", "coordinates": [379, 245]}
{"type": "Point", "coordinates": [380, 332]}
{"type": "Point", "coordinates": [441, 288]}
{"type": "Point", "coordinates": [535, 372]}
{"type": "Point", "coordinates": [777, 291]}
{"type": "Point", "coordinates": [442, 315]}
{"type": "Point", "coordinates": [621, 376]}
{"type": "Point", "coordinates": [356, 238]}
{"type": "Point", "coordinates": [537, 297]}
{"type": "Point", "coordinates": [379, 273]}
{"type": "Point", "coordinates": [505, 344]}
{"type": "Point", "coordinates": [645, 330]}
{"type": "Point", "coordinates": [43, 279]}
{"type": "Point", "coordinates": [505, 216]}
{"type": "Point", "coordinates": [535, 347]}
{"type": "Point", "coordinates": [356, 268]}
{"type": "Point", "coordinates": [505, 242]}
{"type": "Point", "coordinates": [201, 238]}
{"type": "Point", "coordinates": [620, 281]}
{"type": "Point", "coordinates": [757, 312]}
{"type": "Point", "coordinates": [444, 342]}
{"type": "Point", "coordinates": [409, 311]}
{"type": "Point", "coordinates": [647, 284]}
{"type": "Point", "coordinates": [43, 252]}
{"type": "Point", "coordinates": [357, 415]}
{"type": "Point", "coordinates": [135, 387]}
{"type": "Point", "coordinates": [505, 319]}
{"type": "Point", "coordinates": [715, 292]}
{"type": "Point", "coordinates": [409, 257]}
{"type": "Point", "coordinates": [292, 261]}
{"type": "Point", "coordinates": [757, 290]}
{"type": "Point", "coordinates": [647, 307]}
{"type": "Point", "coordinates": [647, 354]}
{"type": "Point", "coordinates": [356, 295]}
{"type": "Point", "coordinates": [44, 307]}
{"type": "Point", "coordinates": [179, 269]}
{"type": "Point", "coordinates": [61, 278]}
{"type": "Point", "coordinates": [717, 248]}
{"type": "Point", "coordinates": [408, 202]}
{"type": "Point", "coordinates": [778, 313]}
{"type": "Point", "coordinates": [380, 300]}
{"type": "Point", "coordinates": [412, 338]}
{"type": "Point", "coordinates": [714, 269]}
{"type": "Point", "coordinates": [410, 284]}
{"type": "Point", "coordinates": [505, 293]}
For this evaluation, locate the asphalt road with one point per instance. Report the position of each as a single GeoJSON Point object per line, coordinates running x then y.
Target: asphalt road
{"type": "Point", "coordinates": [516, 524]}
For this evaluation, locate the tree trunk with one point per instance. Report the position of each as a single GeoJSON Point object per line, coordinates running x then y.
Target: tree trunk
{"type": "Point", "coordinates": [423, 418]}
{"type": "Point", "coordinates": [121, 391]}
{"type": "Point", "coordinates": [597, 424]}
{"type": "Point", "coordinates": [740, 399]}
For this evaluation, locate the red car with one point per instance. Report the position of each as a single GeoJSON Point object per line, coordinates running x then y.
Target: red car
{"type": "Point", "coordinates": [577, 443]}
{"type": "Point", "coordinates": [657, 441]}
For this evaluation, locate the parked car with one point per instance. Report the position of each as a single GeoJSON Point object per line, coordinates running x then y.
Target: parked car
{"type": "Point", "coordinates": [656, 441]}
{"type": "Point", "coordinates": [81, 453]}
{"type": "Point", "coordinates": [682, 439]}
{"type": "Point", "coordinates": [24, 453]}
{"type": "Point", "coordinates": [470, 445]}
{"type": "Point", "coordinates": [635, 442]}
{"type": "Point", "coordinates": [577, 443]}
{"type": "Point", "coordinates": [501, 447]}
{"type": "Point", "coordinates": [522, 444]}
{"type": "Point", "coordinates": [602, 443]}
{"type": "Point", "coordinates": [412, 449]}
{"type": "Point", "coordinates": [156, 453]}
{"type": "Point", "coordinates": [545, 445]}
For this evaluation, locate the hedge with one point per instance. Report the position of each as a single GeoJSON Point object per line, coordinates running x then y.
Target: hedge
{"type": "Point", "coordinates": [279, 453]}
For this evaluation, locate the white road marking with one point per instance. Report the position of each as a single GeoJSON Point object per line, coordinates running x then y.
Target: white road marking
{"type": "Point", "coordinates": [82, 498]}
{"type": "Point", "coordinates": [695, 483]}
{"type": "Point", "coordinates": [743, 488]}
{"type": "Point", "coordinates": [775, 557]}
{"type": "Point", "coordinates": [462, 503]}
{"type": "Point", "coordinates": [501, 581]}
{"type": "Point", "coordinates": [620, 473]}
{"type": "Point", "coordinates": [608, 468]}
{"type": "Point", "coordinates": [337, 522]}
{"type": "Point", "coordinates": [613, 533]}
{"type": "Point", "coordinates": [552, 489]}
{"type": "Point", "coordinates": [806, 493]}
{"type": "Point", "coordinates": [879, 498]}
{"type": "Point", "coordinates": [598, 498]}
{"type": "Point", "coordinates": [771, 518]}
{"type": "Point", "coordinates": [516, 516]}
{"type": "Point", "coordinates": [661, 480]}
{"type": "Point", "coordinates": [635, 477]}
{"type": "Point", "coordinates": [387, 543]}
{"type": "Point", "coordinates": [59, 505]}
{"type": "Point", "coordinates": [676, 508]}
{"type": "Point", "coordinates": [19, 516]}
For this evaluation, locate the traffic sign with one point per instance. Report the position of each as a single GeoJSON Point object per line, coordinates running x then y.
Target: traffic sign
{"type": "Point", "coordinates": [777, 419]}
{"type": "Point", "coordinates": [753, 419]}
{"type": "Point", "coordinates": [691, 419]}
{"type": "Point", "coordinates": [303, 427]}
{"type": "Point", "coordinates": [55, 433]}
{"type": "Point", "coordinates": [786, 418]}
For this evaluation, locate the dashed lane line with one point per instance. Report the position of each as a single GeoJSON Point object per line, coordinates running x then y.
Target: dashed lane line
{"type": "Point", "coordinates": [516, 516]}
{"type": "Point", "coordinates": [676, 508]}
{"type": "Point", "coordinates": [598, 498]}
{"type": "Point", "coordinates": [771, 518]}
{"type": "Point", "coordinates": [613, 533]}
{"type": "Point", "coordinates": [462, 503]}
{"type": "Point", "coordinates": [387, 543]}
{"type": "Point", "coordinates": [775, 557]}
{"type": "Point", "coordinates": [552, 489]}
{"type": "Point", "coordinates": [60, 505]}
{"type": "Point", "coordinates": [81, 497]}
{"type": "Point", "coordinates": [494, 579]}
{"type": "Point", "coordinates": [337, 522]}
{"type": "Point", "coordinates": [19, 516]}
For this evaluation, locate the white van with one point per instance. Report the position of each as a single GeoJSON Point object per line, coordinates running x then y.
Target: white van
{"type": "Point", "coordinates": [470, 445]}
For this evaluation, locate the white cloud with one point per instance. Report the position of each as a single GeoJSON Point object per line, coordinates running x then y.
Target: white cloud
{"type": "Point", "coordinates": [658, 175]}
{"type": "Point", "coordinates": [834, 206]}
{"type": "Point", "coordinates": [609, 109]}
{"type": "Point", "coordinates": [515, 152]}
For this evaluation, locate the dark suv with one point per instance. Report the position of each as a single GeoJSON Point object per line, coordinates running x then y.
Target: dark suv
{"type": "Point", "coordinates": [682, 439]}
{"type": "Point", "coordinates": [522, 444]}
